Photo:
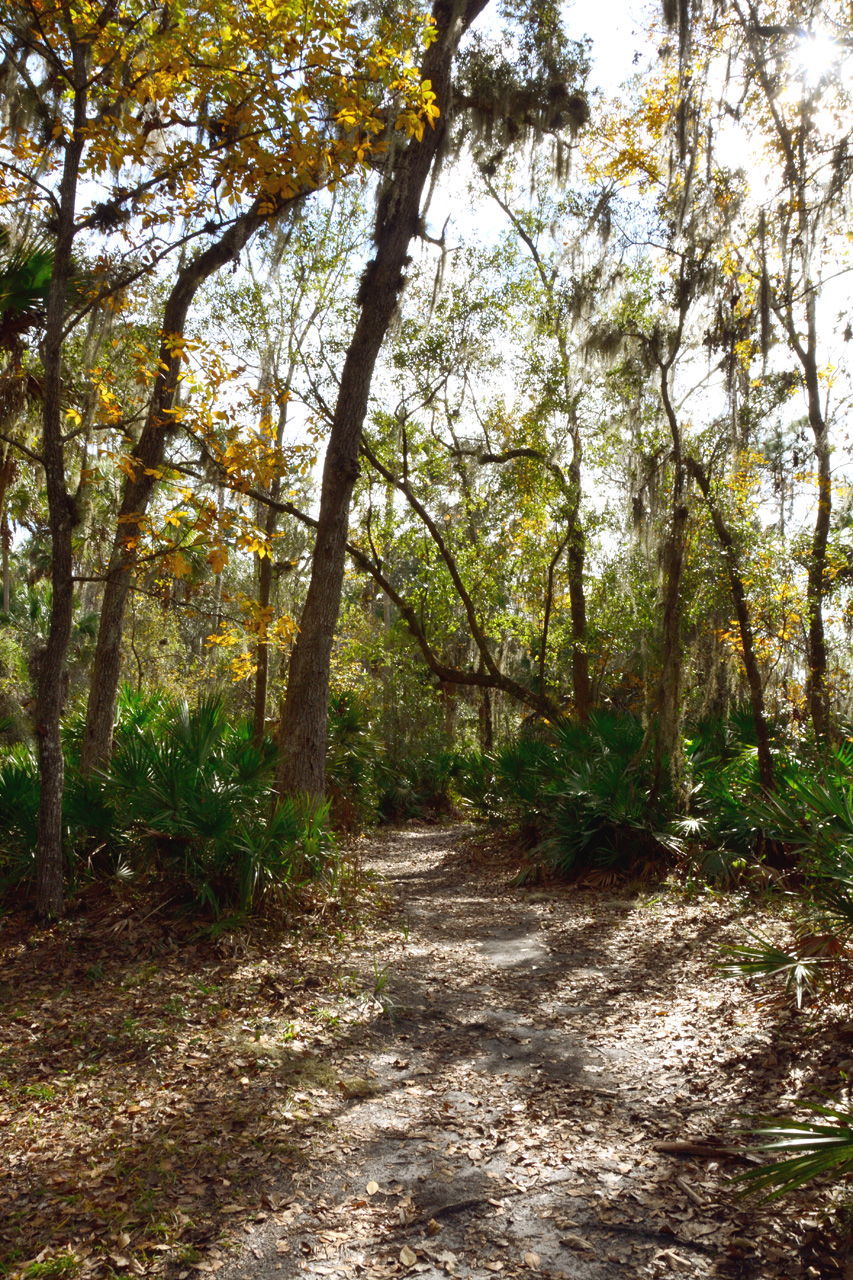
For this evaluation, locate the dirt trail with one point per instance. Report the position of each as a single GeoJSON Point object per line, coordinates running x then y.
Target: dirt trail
{"type": "Point", "coordinates": [505, 1113]}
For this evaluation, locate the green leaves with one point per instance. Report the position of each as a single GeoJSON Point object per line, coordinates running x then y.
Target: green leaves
{"type": "Point", "coordinates": [24, 276]}
{"type": "Point", "coordinates": [766, 960]}
{"type": "Point", "coordinates": [25, 272]}
{"type": "Point", "coordinates": [818, 1149]}
{"type": "Point", "coordinates": [577, 793]}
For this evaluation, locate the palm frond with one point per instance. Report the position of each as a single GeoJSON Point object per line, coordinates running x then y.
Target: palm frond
{"type": "Point", "coordinates": [818, 1150]}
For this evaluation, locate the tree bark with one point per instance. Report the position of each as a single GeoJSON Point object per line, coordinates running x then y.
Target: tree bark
{"type": "Point", "coordinates": [6, 540]}
{"type": "Point", "coordinates": [50, 893]}
{"type": "Point", "coordinates": [259, 711]}
{"type": "Point", "coordinates": [747, 639]}
{"type": "Point", "coordinates": [669, 687]}
{"type": "Point", "coordinates": [486, 722]}
{"type": "Point", "coordinates": [147, 461]}
{"type": "Point", "coordinates": [818, 688]}
{"type": "Point", "coordinates": [302, 738]}
{"type": "Point", "coordinates": [581, 687]}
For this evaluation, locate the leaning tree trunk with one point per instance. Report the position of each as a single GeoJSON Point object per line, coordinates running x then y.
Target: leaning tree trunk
{"type": "Point", "coordinates": [302, 738]}
{"type": "Point", "coordinates": [146, 463]}
{"type": "Point", "coordinates": [747, 639]}
{"type": "Point", "coordinates": [50, 896]}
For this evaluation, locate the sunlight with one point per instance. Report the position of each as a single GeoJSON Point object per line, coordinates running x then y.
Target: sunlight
{"type": "Point", "coordinates": [817, 54]}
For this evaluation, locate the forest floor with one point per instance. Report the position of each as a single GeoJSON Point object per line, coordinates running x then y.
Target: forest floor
{"type": "Point", "coordinates": [482, 1079]}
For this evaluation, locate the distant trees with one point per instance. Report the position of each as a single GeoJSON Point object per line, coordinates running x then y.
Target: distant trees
{"type": "Point", "coordinates": [510, 101]}
{"type": "Point", "coordinates": [170, 129]}
{"type": "Point", "coordinates": [574, 443]}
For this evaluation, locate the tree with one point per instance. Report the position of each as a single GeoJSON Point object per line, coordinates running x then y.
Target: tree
{"type": "Point", "coordinates": [567, 293]}
{"type": "Point", "coordinates": [800, 123]}
{"type": "Point", "coordinates": [166, 115]}
{"type": "Point", "coordinates": [502, 105]}
{"type": "Point", "coordinates": [810, 135]}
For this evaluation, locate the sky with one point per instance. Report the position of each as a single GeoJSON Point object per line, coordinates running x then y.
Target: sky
{"type": "Point", "coordinates": [618, 33]}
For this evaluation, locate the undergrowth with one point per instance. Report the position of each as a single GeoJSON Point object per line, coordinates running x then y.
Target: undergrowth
{"type": "Point", "coordinates": [187, 797]}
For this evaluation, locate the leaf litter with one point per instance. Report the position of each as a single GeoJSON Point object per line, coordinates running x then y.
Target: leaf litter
{"type": "Point", "coordinates": [544, 1082]}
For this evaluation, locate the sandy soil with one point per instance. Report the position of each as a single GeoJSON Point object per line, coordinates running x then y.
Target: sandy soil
{"type": "Point", "coordinates": [552, 1083]}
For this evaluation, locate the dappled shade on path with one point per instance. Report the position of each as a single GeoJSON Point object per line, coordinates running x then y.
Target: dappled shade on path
{"type": "Point", "coordinates": [481, 1080]}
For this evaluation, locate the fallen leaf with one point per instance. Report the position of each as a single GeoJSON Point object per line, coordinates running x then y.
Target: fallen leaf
{"type": "Point", "coordinates": [576, 1242]}
{"type": "Point", "coordinates": [372, 1188]}
{"type": "Point", "coordinates": [407, 1256]}
{"type": "Point", "coordinates": [532, 1260]}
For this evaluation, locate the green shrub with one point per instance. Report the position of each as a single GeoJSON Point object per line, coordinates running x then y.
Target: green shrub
{"type": "Point", "coordinates": [818, 1149]}
{"type": "Point", "coordinates": [196, 795]}
{"type": "Point", "coordinates": [19, 802]}
{"type": "Point", "coordinates": [187, 796]}
{"type": "Point", "coordinates": [474, 784]}
{"type": "Point", "coordinates": [579, 794]}
{"type": "Point", "coordinates": [419, 787]}
{"type": "Point", "coordinates": [355, 763]}
{"type": "Point", "coordinates": [722, 756]}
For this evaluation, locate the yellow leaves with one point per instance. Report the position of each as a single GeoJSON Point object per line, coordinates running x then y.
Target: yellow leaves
{"type": "Point", "coordinates": [218, 559]}
{"type": "Point", "coordinates": [269, 74]}
{"type": "Point", "coordinates": [255, 544]}
{"type": "Point", "coordinates": [259, 626]}
{"type": "Point", "coordinates": [179, 565]}
{"type": "Point", "coordinates": [412, 119]}
{"type": "Point", "coordinates": [178, 345]}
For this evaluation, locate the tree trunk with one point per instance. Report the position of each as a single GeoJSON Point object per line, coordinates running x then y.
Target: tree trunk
{"type": "Point", "coordinates": [265, 577]}
{"type": "Point", "coordinates": [669, 687]}
{"type": "Point", "coordinates": [302, 739]}
{"type": "Point", "coordinates": [50, 895]}
{"type": "Point", "coordinates": [147, 461]}
{"type": "Point", "coordinates": [581, 687]}
{"type": "Point", "coordinates": [668, 702]}
{"type": "Point", "coordinates": [448, 697]}
{"type": "Point", "coordinates": [747, 640]}
{"type": "Point", "coordinates": [486, 722]}
{"type": "Point", "coordinates": [259, 713]}
{"type": "Point", "coordinates": [817, 688]}
{"type": "Point", "coordinates": [7, 472]}
{"type": "Point", "coordinates": [6, 540]}
{"type": "Point", "coordinates": [217, 578]}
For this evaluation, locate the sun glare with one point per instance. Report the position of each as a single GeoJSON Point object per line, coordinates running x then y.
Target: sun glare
{"type": "Point", "coordinates": [818, 54]}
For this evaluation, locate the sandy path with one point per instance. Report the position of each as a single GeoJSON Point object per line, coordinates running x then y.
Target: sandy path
{"type": "Point", "coordinates": [505, 1111]}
